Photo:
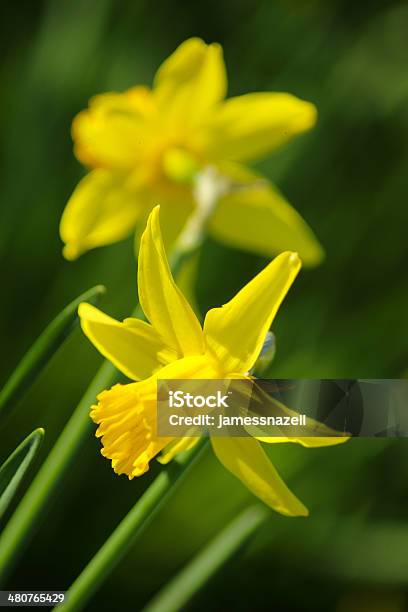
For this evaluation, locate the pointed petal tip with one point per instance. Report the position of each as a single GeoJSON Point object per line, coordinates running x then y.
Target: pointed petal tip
{"type": "Point", "coordinates": [84, 310]}
{"type": "Point", "coordinates": [313, 114]}
{"type": "Point", "coordinates": [293, 508]}
{"type": "Point", "coordinates": [200, 41]}
{"type": "Point", "coordinates": [292, 259]}
{"type": "Point", "coordinates": [153, 220]}
{"type": "Point", "coordinates": [71, 252]}
{"type": "Point", "coordinates": [298, 510]}
{"type": "Point", "coordinates": [295, 260]}
{"type": "Point", "coordinates": [303, 513]}
{"type": "Point", "coordinates": [314, 256]}
{"type": "Point", "coordinates": [307, 117]}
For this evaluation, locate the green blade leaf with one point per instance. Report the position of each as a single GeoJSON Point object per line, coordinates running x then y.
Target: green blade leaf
{"type": "Point", "coordinates": [129, 529]}
{"type": "Point", "coordinates": [13, 469]}
{"type": "Point", "coordinates": [178, 592]}
{"type": "Point", "coordinates": [43, 349]}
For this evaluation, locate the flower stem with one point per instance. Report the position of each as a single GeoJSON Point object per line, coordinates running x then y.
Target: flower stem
{"type": "Point", "coordinates": [175, 595]}
{"type": "Point", "coordinates": [127, 531]}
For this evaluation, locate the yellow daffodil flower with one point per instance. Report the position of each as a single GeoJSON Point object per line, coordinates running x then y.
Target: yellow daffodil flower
{"type": "Point", "coordinates": [173, 345]}
{"type": "Point", "coordinates": [146, 146]}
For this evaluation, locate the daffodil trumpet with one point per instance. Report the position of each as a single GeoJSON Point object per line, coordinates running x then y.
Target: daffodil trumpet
{"type": "Point", "coordinates": [173, 345]}
{"type": "Point", "coordinates": [146, 146]}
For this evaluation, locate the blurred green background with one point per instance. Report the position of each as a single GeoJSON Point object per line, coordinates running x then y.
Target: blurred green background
{"type": "Point", "coordinates": [346, 319]}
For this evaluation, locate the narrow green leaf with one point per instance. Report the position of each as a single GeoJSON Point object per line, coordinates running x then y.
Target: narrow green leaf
{"type": "Point", "coordinates": [125, 534]}
{"type": "Point", "coordinates": [13, 469]}
{"type": "Point", "coordinates": [42, 350]}
{"type": "Point", "coordinates": [195, 575]}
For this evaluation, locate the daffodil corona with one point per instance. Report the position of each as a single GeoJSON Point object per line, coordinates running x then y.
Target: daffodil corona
{"type": "Point", "coordinates": [147, 146]}
{"type": "Point", "coordinates": [173, 345]}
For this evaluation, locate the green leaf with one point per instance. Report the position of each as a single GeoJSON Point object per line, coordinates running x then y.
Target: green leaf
{"type": "Point", "coordinates": [129, 529]}
{"type": "Point", "coordinates": [179, 591]}
{"type": "Point", "coordinates": [42, 350]}
{"type": "Point", "coordinates": [13, 469]}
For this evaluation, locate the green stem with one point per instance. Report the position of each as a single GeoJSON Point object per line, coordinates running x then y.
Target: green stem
{"type": "Point", "coordinates": [127, 531]}
{"type": "Point", "coordinates": [179, 591]}
{"type": "Point", "coordinates": [42, 350]}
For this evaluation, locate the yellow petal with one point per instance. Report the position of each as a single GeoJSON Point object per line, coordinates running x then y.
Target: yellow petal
{"type": "Point", "coordinates": [114, 130]}
{"type": "Point", "coordinates": [249, 126]}
{"type": "Point", "coordinates": [235, 332]}
{"type": "Point", "coordinates": [103, 209]}
{"type": "Point", "coordinates": [257, 218]}
{"type": "Point", "coordinates": [162, 301]}
{"type": "Point", "coordinates": [269, 405]}
{"type": "Point", "coordinates": [176, 447]}
{"type": "Point", "coordinates": [308, 442]}
{"type": "Point", "coordinates": [190, 81]}
{"type": "Point", "coordinates": [132, 346]}
{"type": "Point", "coordinates": [245, 458]}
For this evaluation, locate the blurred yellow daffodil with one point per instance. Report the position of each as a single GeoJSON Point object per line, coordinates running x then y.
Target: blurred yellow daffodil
{"type": "Point", "coordinates": [173, 345]}
{"type": "Point", "coordinates": [146, 147]}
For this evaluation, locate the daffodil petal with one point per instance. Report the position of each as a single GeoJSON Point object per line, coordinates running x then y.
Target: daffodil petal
{"type": "Point", "coordinates": [190, 81]}
{"type": "Point", "coordinates": [162, 301]}
{"type": "Point", "coordinates": [132, 346]}
{"type": "Point", "coordinates": [112, 132]}
{"type": "Point", "coordinates": [176, 447]}
{"type": "Point", "coordinates": [249, 126]}
{"type": "Point", "coordinates": [257, 218]}
{"type": "Point", "coordinates": [307, 442]}
{"type": "Point", "coordinates": [245, 458]}
{"type": "Point", "coordinates": [317, 433]}
{"type": "Point", "coordinates": [235, 332]}
{"type": "Point", "coordinates": [103, 209]}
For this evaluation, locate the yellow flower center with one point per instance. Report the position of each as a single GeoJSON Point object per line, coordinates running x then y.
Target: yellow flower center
{"type": "Point", "coordinates": [179, 165]}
